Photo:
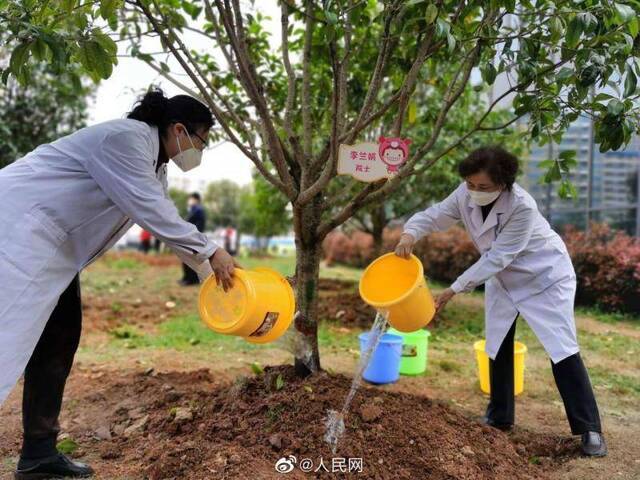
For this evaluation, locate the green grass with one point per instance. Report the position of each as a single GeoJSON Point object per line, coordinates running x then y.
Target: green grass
{"type": "Point", "coordinates": [122, 263]}
{"type": "Point", "coordinates": [67, 446]}
{"type": "Point", "coordinates": [610, 317]}
{"type": "Point", "coordinates": [285, 265]}
{"type": "Point", "coordinates": [453, 334]}
{"type": "Point", "coordinates": [188, 332]}
{"type": "Point", "coordinates": [340, 272]}
{"type": "Point", "coordinates": [619, 383]}
{"type": "Point", "coordinates": [459, 322]}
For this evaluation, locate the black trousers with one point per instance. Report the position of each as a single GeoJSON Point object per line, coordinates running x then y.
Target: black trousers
{"type": "Point", "coordinates": [571, 379]}
{"type": "Point", "coordinates": [46, 374]}
{"type": "Point", "coordinates": [189, 275]}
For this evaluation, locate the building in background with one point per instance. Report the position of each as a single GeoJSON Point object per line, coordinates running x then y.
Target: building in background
{"type": "Point", "coordinates": [607, 183]}
{"type": "Point", "coordinates": [186, 183]}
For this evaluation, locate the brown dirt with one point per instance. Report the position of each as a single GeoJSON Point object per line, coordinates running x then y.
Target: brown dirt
{"type": "Point", "coordinates": [153, 260]}
{"type": "Point", "coordinates": [143, 307]}
{"type": "Point", "coordinates": [341, 302]}
{"type": "Point", "coordinates": [103, 312]}
{"type": "Point", "coordinates": [190, 425]}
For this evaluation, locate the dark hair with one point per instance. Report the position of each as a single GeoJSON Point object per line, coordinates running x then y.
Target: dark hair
{"type": "Point", "coordinates": [196, 195]}
{"type": "Point", "coordinates": [500, 165]}
{"type": "Point", "coordinates": [156, 109]}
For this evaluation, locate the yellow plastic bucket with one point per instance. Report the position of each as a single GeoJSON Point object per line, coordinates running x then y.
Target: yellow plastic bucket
{"type": "Point", "coordinates": [397, 285]}
{"type": "Point", "coordinates": [519, 351]}
{"type": "Point", "coordinates": [259, 307]}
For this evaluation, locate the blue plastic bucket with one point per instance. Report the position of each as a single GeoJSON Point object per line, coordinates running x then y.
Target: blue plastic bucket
{"type": "Point", "coordinates": [384, 366]}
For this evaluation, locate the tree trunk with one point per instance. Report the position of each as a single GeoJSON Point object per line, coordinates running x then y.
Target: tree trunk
{"type": "Point", "coordinates": [378, 222]}
{"type": "Point", "coordinates": [308, 253]}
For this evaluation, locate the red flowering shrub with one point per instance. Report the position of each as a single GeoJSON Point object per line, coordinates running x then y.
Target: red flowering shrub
{"type": "Point", "coordinates": [445, 255]}
{"type": "Point", "coordinates": [607, 265]}
{"type": "Point", "coordinates": [355, 249]}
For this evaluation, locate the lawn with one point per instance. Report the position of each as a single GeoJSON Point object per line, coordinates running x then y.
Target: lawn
{"type": "Point", "coordinates": [137, 319]}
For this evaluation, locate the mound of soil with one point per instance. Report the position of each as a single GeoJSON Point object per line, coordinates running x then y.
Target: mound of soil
{"type": "Point", "coordinates": [187, 425]}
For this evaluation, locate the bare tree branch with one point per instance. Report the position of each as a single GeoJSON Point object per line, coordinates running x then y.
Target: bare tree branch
{"type": "Point", "coordinates": [409, 83]}
{"type": "Point", "coordinates": [232, 20]}
{"type": "Point", "coordinates": [210, 15]}
{"type": "Point", "coordinates": [307, 127]}
{"type": "Point", "coordinates": [217, 112]}
{"type": "Point", "coordinates": [291, 86]}
{"type": "Point", "coordinates": [377, 75]}
{"type": "Point", "coordinates": [367, 195]}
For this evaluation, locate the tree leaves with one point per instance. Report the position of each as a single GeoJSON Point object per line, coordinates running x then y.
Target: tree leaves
{"type": "Point", "coordinates": [431, 14]}
{"type": "Point", "coordinates": [556, 28]}
{"type": "Point", "coordinates": [559, 170]}
{"type": "Point", "coordinates": [574, 31]}
{"type": "Point", "coordinates": [96, 59]}
{"type": "Point", "coordinates": [17, 63]}
{"type": "Point", "coordinates": [488, 72]}
{"type": "Point", "coordinates": [630, 81]}
{"type": "Point", "coordinates": [624, 12]}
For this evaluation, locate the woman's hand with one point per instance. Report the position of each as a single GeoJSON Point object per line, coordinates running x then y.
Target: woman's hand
{"type": "Point", "coordinates": [405, 245]}
{"type": "Point", "coordinates": [443, 298]}
{"type": "Point", "coordinates": [223, 266]}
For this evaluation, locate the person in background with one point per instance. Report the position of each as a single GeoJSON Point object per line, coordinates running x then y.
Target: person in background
{"type": "Point", "coordinates": [526, 270]}
{"type": "Point", "coordinates": [145, 241]}
{"type": "Point", "coordinates": [197, 217]}
{"type": "Point", "coordinates": [231, 240]}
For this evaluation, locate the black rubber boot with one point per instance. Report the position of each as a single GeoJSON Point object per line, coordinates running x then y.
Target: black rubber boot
{"type": "Point", "coordinates": [505, 427]}
{"type": "Point", "coordinates": [593, 444]}
{"type": "Point", "coordinates": [57, 466]}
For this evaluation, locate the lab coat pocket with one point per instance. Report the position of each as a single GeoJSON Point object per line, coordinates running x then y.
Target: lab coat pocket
{"type": "Point", "coordinates": [32, 242]}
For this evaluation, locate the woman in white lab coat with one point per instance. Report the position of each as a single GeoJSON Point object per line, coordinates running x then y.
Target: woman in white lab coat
{"type": "Point", "coordinates": [526, 270]}
{"type": "Point", "coordinates": [64, 204]}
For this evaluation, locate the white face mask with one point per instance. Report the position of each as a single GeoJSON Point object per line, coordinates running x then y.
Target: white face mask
{"type": "Point", "coordinates": [484, 198]}
{"type": "Point", "coordinates": [189, 159]}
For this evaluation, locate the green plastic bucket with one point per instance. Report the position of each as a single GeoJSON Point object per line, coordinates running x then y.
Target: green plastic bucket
{"type": "Point", "coordinates": [414, 351]}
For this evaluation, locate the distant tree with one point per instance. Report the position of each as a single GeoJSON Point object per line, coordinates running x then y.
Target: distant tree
{"type": "Point", "coordinates": [180, 198]}
{"type": "Point", "coordinates": [222, 203]}
{"type": "Point", "coordinates": [263, 211]}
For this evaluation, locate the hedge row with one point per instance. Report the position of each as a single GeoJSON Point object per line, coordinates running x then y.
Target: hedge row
{"type": "Point", "coordinates": [607, 263]}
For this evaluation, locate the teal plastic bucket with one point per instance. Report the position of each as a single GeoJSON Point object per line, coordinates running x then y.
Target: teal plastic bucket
{"type": "Point", "coordinates": [415, 347]}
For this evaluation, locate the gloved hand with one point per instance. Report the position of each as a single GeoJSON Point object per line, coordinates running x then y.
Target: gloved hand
{"type": "Point", "coordinates": [405, 245]}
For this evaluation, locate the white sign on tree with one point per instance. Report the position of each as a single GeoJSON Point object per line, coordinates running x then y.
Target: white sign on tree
{"type": "Point", "coordinates": [369, 162]}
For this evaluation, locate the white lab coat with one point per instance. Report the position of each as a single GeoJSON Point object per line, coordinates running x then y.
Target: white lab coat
{"type": "Point", "coordinates": [524, 265]}
{"type": "Point", "coordinates": [63, 205]}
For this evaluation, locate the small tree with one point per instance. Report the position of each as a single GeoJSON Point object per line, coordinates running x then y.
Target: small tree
{"type": "Point", "coordinates": [341, 67]}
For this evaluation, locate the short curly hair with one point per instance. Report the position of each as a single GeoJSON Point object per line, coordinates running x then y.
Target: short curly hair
{"type": "Point", "coordinates": [500, 165]}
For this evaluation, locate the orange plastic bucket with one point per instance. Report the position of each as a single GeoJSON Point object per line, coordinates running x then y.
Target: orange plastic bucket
{"type": "Point", "coordinates": [397, 285]}
{"type": "Point", "coordinates": [259, 307]}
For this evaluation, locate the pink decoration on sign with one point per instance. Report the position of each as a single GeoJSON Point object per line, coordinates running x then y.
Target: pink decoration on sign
{"type": "Point", "coordinates": [393, 152]}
